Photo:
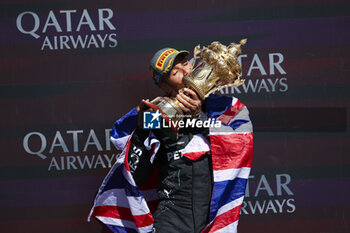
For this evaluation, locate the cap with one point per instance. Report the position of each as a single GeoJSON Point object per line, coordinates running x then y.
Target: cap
{"type": "Point", "coordinates": [163, 61]}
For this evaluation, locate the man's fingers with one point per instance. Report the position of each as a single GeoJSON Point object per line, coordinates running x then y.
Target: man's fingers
{"type": "Point", "coordinates": [144, 101]}
{"type": "Point", "coordinates": [190, 103]}
{"type": "Point", "coordinates": [186, 101]}
{"type": "Point", "coordinates": [140, 109]}
{"type": "Point", "coordinates": [191, 93]}
{"type": "Point", "coordinates": [183, 108]}
{"type": "Point", "coordinates": [142, 105]}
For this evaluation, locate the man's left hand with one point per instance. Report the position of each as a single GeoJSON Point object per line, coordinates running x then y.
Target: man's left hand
{"type": "Point", "coordinates": [189, 102]}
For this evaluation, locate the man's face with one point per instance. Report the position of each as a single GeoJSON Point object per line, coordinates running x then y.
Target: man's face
{"type": "Point", "coordinates": [172, 83]}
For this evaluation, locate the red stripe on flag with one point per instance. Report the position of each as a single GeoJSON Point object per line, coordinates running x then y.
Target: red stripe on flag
{"type": "Point", "coordinates": [124, 214]}
{"type": "Point", "coordinates": [223, 220]}
{"type": "Point", "coordinates": [230, 113]}
{"type": "Point", "coordinates": [126, 163]}
{"type": "Point", "coordinates": [143, 220]}
{"type": "Point", "coordinates": [113, 212]}
{"type": "Point", "coordinates": [232, 150]}
{"type": "Point", "coordinates": [153, 147]}
{"type": "Point", "coordinates": [194, 155]}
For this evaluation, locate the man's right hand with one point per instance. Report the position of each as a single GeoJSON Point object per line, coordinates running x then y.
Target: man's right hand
{"type": "Point", "coordinates": [140, 109]}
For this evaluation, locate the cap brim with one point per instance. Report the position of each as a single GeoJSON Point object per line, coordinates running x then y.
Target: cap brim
{"type": "Point", "coordinates": [183, 53]}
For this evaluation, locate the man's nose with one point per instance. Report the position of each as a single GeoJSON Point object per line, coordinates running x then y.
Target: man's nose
{"type": "Point", "coordinates": [186, 71]}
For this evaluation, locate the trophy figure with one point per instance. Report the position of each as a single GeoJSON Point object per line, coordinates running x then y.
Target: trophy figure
{"type": "Point", "coordinates": [218, 67]}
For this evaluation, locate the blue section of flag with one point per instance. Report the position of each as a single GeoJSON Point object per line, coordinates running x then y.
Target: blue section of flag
{"type": "Point", "coordinates": [118, 181]}
{"type": "Point", "coordinates": [125, 125]}
{"type": "Point", "coordinates": [237, 123]}
{"type": "Point", "coordinates": [216, 105]}
{"type": "Point", "coordinates": [225, 192]}
{"type": "Point", "coordinates": [119, 229]}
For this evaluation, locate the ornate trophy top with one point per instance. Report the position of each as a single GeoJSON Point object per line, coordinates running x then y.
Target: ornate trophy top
{"type": "Point", "coordinates": [218, 68]}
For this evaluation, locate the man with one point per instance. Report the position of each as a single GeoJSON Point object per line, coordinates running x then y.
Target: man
{"type": "Point", "coordinates": [184, 186]}
{"type": "Point", "coordinates": [201, 175]}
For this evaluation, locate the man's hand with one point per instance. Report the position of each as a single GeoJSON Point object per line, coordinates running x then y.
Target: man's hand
{"type": "Point", "coordinates": [140, 109]}
{"type": "Point", "coordinates": [189, 102]}
{"type": "Point", "coordinates": [141, 105]}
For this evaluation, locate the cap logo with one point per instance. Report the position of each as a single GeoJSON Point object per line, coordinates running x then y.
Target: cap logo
{"type": "Point", "coordinates": [162, 58]}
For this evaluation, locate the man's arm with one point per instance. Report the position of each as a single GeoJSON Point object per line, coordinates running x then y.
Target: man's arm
{"type": "Point", "coordinates": [139, 157]}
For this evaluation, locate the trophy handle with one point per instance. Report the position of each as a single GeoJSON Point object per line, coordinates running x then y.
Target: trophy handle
{"type": "Point", "coordinates": [196, 52]}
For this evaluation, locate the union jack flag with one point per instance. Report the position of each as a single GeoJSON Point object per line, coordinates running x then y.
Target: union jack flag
{"type": "Point", "coordinates": [125, 207]}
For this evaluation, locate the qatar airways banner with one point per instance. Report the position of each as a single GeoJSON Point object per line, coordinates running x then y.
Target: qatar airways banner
{"type": "Point", "coordinates": [69, 69]}
{"type": "Point", "coordinates": [68, 36]}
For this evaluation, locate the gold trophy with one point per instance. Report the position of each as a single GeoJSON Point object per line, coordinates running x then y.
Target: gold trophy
{"type": "Point", "coordinates": [217, 68]}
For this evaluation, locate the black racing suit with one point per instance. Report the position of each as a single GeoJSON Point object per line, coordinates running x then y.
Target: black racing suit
{"type": "Point", "coordinates": [184, 186]}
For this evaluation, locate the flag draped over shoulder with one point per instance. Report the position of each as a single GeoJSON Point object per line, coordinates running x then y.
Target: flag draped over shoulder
{"type": "Point", "coordinates": [232, 152]}
{"type": "Point", "coordinates": [124, 207]}
{"type": "Point", "coordinates": [119, 203]}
